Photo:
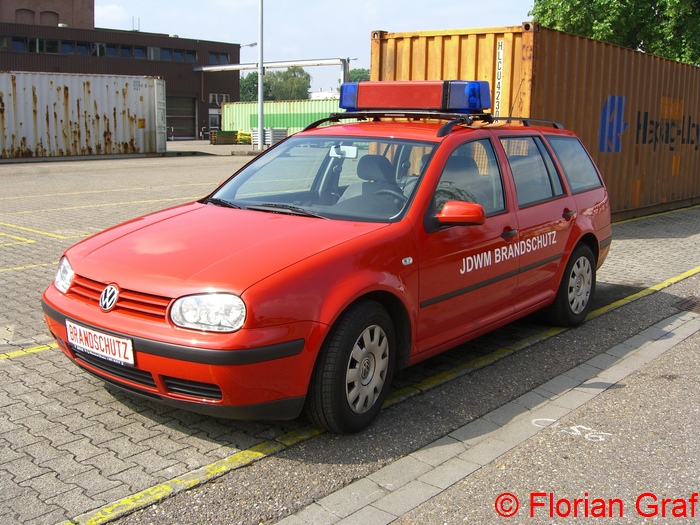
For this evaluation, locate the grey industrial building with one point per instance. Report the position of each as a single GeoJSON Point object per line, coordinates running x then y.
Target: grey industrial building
{"type": "Point", "coordinates": [60, 36]}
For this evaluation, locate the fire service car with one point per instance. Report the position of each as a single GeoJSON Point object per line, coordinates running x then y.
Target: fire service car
{"type": "Point", "coordinates": [371, 240]}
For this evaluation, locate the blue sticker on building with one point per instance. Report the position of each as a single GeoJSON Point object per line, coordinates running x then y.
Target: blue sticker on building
{"type": "Point", "coordinates": [612, 124]}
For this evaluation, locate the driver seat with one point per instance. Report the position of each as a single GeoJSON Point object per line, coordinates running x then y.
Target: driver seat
{"type": "Point", "coordinates": [377, 174]}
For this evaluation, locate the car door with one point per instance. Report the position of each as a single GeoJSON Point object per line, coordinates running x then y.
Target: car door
{"type": "Point", "coordinates": [465, 281]}
{"type": "Point", "coordinates": [545, 216]}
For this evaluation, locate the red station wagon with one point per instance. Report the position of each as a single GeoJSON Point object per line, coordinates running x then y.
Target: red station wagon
{"type": "Point", "coordinates": [372, 240]}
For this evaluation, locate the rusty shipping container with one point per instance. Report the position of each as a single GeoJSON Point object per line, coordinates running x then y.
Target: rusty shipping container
{"type": "Point", "coordinates": [61, 115]}
{"type": "Point", "coordinates": [638, 115]}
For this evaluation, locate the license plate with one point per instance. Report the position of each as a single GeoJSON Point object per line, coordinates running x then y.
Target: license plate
{"type": "Point", "coordinates": [115, 349]}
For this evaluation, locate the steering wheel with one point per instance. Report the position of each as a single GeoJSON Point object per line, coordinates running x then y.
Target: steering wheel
{"type": "Point", "coordinates": [394, 193]}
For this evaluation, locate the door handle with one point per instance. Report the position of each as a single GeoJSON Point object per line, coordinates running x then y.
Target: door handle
{"type": "Point", "coordinates": [509, 233]}
{"type": "Point", "coordinates": [568, 214]}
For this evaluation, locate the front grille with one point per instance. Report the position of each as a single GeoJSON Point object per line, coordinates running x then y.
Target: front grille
{"type": "Point", "coordinates": [130, 302]}
{"type": "Point", "coordinates": [192, 388]}
{"type": "Point", "coordinates": [134, 375]}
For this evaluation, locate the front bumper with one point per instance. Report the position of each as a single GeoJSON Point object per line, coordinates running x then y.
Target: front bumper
{"type": "Point", "coordinates": [266, 382]}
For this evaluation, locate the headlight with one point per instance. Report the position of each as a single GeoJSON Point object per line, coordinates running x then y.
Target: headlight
{"type": "Point", "coordinates": [216, 312]}
{"type": "Point", "coordinates": [64, 275]}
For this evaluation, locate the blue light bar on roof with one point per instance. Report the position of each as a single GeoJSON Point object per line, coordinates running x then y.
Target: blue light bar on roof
{"type": "Point", "coordinates": [348, 95]}
{"type": "Point", "coordinates": [473, 96]}
{"type": "Point", "coordinates": [455, 96]}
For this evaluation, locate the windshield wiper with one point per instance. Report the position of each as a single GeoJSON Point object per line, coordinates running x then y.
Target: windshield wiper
{"type": "Point", "coordinates": [221, 202]}
{"type": "Point", "coordinates": [292, 210]}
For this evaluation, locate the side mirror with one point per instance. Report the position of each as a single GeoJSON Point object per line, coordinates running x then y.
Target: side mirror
{"type": "Point", "coordinates": [461, 213]}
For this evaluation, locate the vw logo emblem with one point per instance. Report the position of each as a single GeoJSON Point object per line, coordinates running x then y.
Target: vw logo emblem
{"type": "Point", "coordinates": [108, 298]}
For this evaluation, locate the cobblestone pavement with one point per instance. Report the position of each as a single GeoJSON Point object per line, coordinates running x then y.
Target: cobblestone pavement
{"type": "Point", "coordinates": [68, 445]}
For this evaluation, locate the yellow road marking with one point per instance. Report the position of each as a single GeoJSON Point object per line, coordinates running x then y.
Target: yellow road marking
{"type": "Point", "coordinates": [32, 230]}
{"type": "Point", "coordinates": [192, 479]}
{"type": "Point", "coordinates": [643, 293]}
{"type": "Point", "coordinates": [18, 240]}
{"type": "Point", "coordinates": [115, 190]}
{"type": "Point", "coordinates": [20, 353]}
{"type": "Point", "coordinates": [29, 267]}
{"type": "Point", "coordinates": [105, 205]}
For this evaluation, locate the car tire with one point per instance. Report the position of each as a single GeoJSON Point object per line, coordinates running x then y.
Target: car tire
{"type": "Point", "coordinates": [354, 370]}
{"type": "Point", "coordinates": [576, 289]}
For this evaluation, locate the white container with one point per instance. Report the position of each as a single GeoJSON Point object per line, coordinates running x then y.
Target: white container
{"type": "Point", "coordinates": [63, 115]}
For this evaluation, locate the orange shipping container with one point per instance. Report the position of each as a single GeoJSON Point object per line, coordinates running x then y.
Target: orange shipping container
{"type": "Point", "coordinates": [638, 115]}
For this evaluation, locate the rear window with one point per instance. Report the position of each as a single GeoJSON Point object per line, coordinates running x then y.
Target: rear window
{"type": "Point", "coordinates": [578, 166]}
{"type": "Point", "coordinates": [533, 171]}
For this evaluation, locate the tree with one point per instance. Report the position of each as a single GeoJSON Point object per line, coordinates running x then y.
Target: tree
{"type": "Point", "coordinates": [249, 87]}
{"type": "Point", "coordinates": [292, 84]}
{"type": "Point", "coordinates": [358, 75]}
{"type": "Point", "coordinates": [666, 28]}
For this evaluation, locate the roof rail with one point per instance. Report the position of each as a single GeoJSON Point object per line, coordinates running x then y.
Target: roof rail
{"type": "Point", "coordinates": [527, 121]}
{"type": "Point", "coordinates": [453, 118]}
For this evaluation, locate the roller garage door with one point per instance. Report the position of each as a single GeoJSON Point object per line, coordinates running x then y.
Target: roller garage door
{"type": "Point", "coordinates": [181, 116]}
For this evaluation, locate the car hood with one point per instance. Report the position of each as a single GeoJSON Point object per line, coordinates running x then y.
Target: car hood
{"type": "Point", "coordinates": [204, 247]}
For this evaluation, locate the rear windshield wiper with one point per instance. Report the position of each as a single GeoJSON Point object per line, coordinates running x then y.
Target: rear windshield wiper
{"type": "Point", "coordinates": [221, 202]}
{"type": "Point", "coordinates": [292, 210]}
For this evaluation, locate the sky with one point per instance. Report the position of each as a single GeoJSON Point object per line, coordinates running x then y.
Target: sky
{"type": "Point", "coordinates": [305, 29]}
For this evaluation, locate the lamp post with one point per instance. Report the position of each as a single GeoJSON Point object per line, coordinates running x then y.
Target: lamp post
{"type": "Point", "coordinates": [261, 73]}
{"type": "Point", "coordinates": [253, 44]}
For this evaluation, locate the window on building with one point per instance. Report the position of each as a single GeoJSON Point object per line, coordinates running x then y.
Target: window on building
{"type": "Point", "coordinates": [213, 58]}
{"type": "Point", "coordinates": [33, 46]}
{"type": "Point", "coordinates": [178, 55]}
{"type": "Point", "coordinates": [97, 49]}
{"type": "Point", "coordinates": [125, 52]}
{"type": "Point", "coordinates": [166, 54]}
{"type": "Point", "coordinates": [19, 44]}
{"type": "Point", "coordinates": [153, 53]}
{"type": "Point", "coordinates": [67, 48]}
{"type": "Point", "coordinates": [219, 98]}
{"type": "Point", "coordinates": [48, 46]}
{"type": "Point", "coordinates": [82, 48]}
{"type": "Point", "coordinates": [3, 43]}
{"type": "Point", "coordinates": [223, 58]}
{"type": "Point", "coordinates": [111, 50]}
{"type": "Point", "coordinates": [190, 56]}
{"type": "Point", "coordinates": [139, 52]}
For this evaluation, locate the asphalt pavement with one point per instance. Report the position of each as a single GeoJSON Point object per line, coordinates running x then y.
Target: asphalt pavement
{"type": "Point", "coordinates": [594, 424]}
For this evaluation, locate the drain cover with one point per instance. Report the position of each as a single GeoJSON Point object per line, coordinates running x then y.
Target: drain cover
{"type": "Point", "coordinates": [691, 304]}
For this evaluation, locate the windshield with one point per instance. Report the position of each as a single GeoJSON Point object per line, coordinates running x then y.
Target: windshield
{"type": "Point", "coordinates": [358, 179]}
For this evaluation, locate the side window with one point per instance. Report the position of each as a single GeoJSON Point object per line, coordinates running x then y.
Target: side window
{"type": "Point", "coordinates": [535, 177]}
{"type": "Point", "coordinates": [471, 174]}
{"type": "Point", "coordinates": [578, 167]}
